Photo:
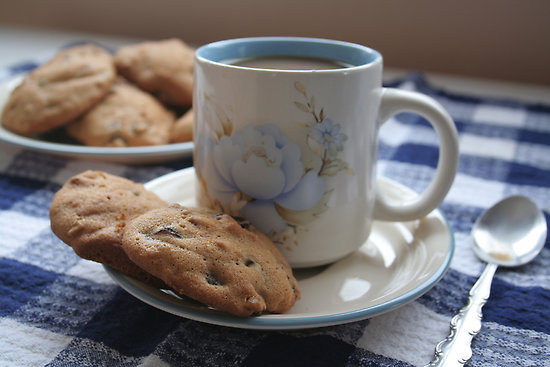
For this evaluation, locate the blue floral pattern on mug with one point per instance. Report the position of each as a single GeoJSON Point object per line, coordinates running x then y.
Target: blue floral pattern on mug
{"type": "Point", "coordinates": [257, 172]}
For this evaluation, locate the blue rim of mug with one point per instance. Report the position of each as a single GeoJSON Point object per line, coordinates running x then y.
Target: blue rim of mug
{"type": "Point", "coordinates": [227, 51]}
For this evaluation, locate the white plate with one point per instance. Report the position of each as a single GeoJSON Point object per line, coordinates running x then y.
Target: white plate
{"type": "Point", "coordinates": [398, 263]}
{"type": "Point", "coordinates": [147, 154]}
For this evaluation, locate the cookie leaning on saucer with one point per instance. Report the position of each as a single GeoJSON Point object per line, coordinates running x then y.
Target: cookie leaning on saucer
{"type": "Point", "coordinates": [59, 90]}
{"type": "Point", "coordinates": [211, 258]}
{"type": "Point", "coordinates": [89, 214]}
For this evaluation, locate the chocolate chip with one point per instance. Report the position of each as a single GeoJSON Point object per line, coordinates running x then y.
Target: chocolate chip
{"type": "Point", "coordinates": [243, 222]}
{"type": "Point", "coordinates": [249, 262]}
{"type": "Point", "coordinates": [170, 231]}
{"type": "Point", "coordinates": [254, 300]}
{"type": "Point", "coordinates": [212, 280]}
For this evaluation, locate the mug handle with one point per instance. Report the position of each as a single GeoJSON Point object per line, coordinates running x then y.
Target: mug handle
{"type": "Point", "coordinates": [394, 101]}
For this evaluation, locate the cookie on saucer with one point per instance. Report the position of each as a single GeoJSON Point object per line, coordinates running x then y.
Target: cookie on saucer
{"type": "Point", "coordinates": [163, 68]}
{"type": "Point", "coordinates": [60, 90]}
{"type": "Point", "coordinates": [89, 213]}
{"type": "Point", "coordinates": [211, 258]}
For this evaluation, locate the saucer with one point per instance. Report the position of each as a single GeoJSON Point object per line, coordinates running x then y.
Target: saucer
{"type": "Point", "coordinates": [397, 264]}
{"type": "Point", "coordinates": [58, 144]}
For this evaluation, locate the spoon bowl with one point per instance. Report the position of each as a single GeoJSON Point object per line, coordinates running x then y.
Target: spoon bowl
{"type": "Point", "coordinates": [511, 233]}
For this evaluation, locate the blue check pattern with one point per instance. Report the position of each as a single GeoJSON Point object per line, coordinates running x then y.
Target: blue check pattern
{"type": "Point", "coordinates": [59, 310]}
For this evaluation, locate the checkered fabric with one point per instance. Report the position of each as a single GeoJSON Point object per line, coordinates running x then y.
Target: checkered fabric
{"type": "Point", "coordinates": [59, 310]}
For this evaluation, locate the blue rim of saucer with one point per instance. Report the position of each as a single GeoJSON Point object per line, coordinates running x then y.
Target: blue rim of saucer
{"type": "Point", "coordinates": [276, 322]}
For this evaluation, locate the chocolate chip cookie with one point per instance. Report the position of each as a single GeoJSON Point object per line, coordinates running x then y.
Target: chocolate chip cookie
{"type": "Point", "coordinates": [182, 130]}
{"type": "Point", "coordinates": [59, 90]}
{"type": "Point", "coordinates": [211, 258]}
{"type": "Point", "coordinates": [164, 68]}
{"type": "Point", "coordinates": [89, 214]}
{"type": "Point", "coordinates": [125, 117]}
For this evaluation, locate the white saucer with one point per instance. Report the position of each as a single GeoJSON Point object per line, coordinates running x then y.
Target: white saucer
{"type": "Point", "coordinates": [399, 263]}
{"type": "Point", "coordinates": [147, 154]}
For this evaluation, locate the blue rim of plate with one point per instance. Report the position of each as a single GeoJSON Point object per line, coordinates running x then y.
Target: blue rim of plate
{"type": "Point", "coordinates": [144, 153]}
{"type": "Point", "coordinates": [281, 322]}
{"type": "Point", "coordinates": [82, 150]}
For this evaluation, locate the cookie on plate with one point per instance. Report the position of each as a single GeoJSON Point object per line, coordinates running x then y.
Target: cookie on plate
{"type": "Point", "coordinates": [60, 90]}
{"type": "Point", "coordinates": [211, 258]}
{"type": "Point", "coordinates": [164, 68]}
{"type": "Point", "coordinates": [89, 214]}
{"type": "Point", "coordinates": [126, 117]}
{"type": "Point", "coordinates": [182, 130]}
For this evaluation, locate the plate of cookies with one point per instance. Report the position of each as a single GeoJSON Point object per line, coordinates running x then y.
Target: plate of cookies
{"type": "Point", "coordinates": [198, 264]}
{"type": "Point", "coordinates": [130, 106]}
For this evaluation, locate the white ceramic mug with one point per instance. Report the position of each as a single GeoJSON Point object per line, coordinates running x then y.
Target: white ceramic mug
{"type": "Point", "coordinates": [294, 151]}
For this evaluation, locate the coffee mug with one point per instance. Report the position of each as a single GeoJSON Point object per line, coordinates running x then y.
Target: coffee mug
{"type": "Point", "coordinates": [286, 137]}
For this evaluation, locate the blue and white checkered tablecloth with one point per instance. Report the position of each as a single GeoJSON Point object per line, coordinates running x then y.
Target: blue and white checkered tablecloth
{"type": "Point", "coordinates": [59, 310]}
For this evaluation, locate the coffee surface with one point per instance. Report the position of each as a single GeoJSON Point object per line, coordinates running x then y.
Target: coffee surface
{"type": "Point", "coordinates": [291, 63]}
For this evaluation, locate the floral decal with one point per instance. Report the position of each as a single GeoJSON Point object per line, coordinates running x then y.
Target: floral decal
{"type": "Point", "coordinates": [324, 137]}
{"type": "Point", "coordinates": [258, 173]}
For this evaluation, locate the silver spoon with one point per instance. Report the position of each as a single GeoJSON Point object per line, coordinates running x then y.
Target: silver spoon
{"type": "Point", "coordinates": [511, 233]}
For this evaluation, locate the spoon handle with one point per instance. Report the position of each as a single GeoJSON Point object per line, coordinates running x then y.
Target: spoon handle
{"type": "Point", "coordinates": [455, 350]}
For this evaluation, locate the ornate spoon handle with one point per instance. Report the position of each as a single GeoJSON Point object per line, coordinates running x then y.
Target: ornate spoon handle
{"type": "Point", "coordinates": [455, 350]}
